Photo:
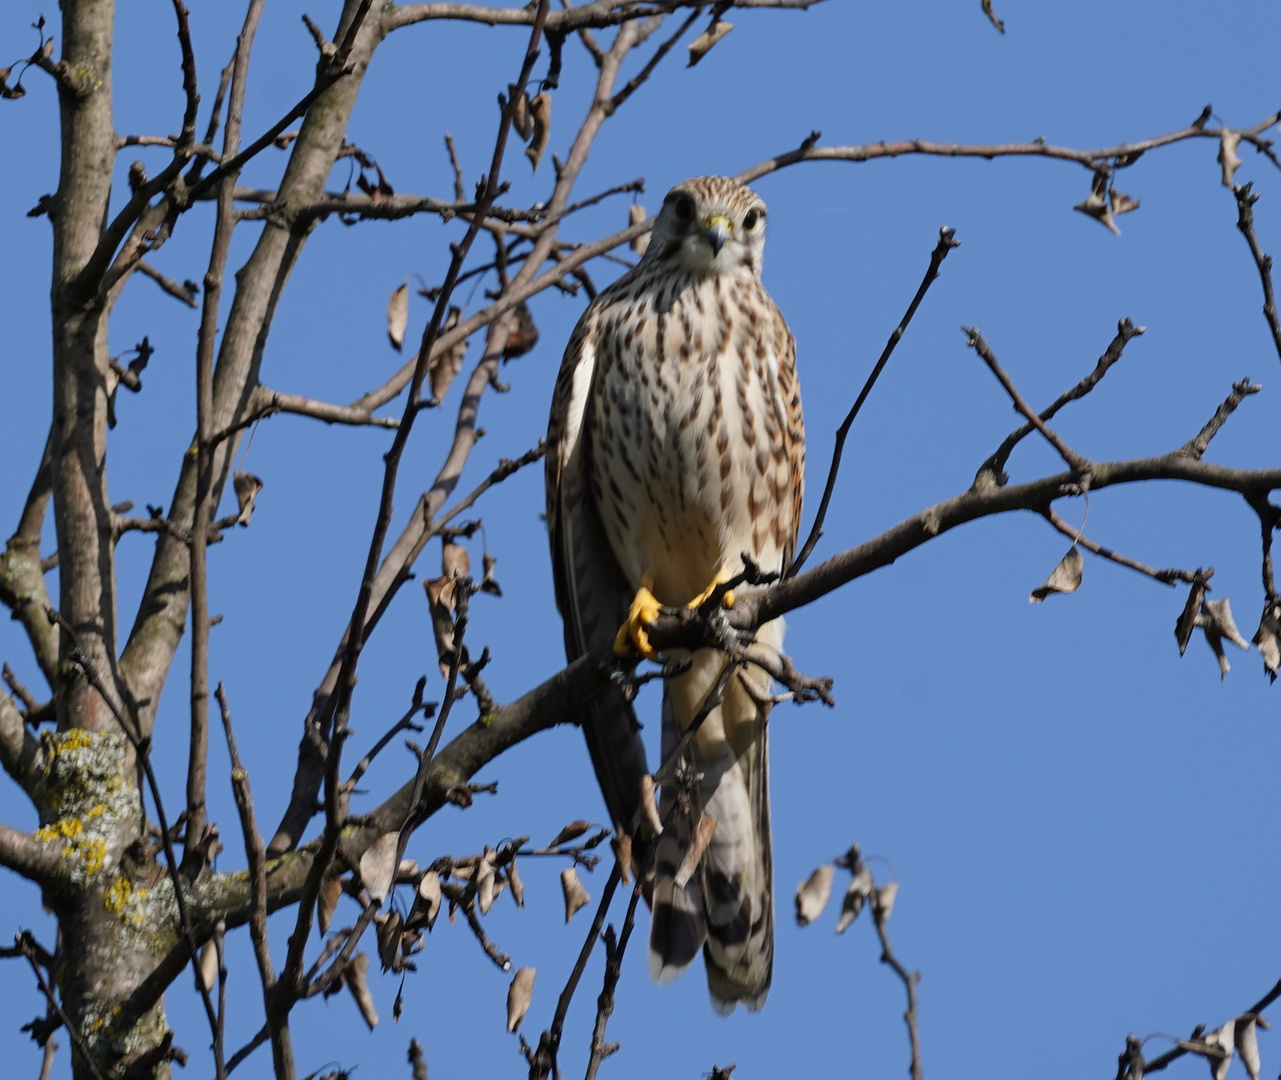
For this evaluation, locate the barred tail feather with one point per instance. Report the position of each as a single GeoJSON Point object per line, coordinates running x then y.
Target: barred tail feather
{"type": "Point", "coordinates": [678, 927]}
{"type": "Point", "coordinates": [728, 907]}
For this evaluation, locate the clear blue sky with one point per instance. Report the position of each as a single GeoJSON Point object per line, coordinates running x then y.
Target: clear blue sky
{"type": "Point", "coordinates": [1084, 824]}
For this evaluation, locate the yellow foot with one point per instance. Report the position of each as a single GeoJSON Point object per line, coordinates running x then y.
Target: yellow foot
{"type": "Point", "coordinates": [727, 600]}
{"type": "Point", "coordinates": [635, 631]}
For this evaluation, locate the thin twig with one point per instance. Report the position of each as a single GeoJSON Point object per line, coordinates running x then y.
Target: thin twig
{"type": "Point", "coordinates": [910, 979]}
{"type": "Point", "coordinates": [946, 242]}
{"type": "Point", "coordinates": [1245, 222]}
{"type": "Point", "coordinates": [1166, 577]}
{"type": "Point", "coordinates": [1196, 447]}
{"type": "Point", "coordinates": [992, 471]}
{"type": "Point", "coordinates": [1074, 461]}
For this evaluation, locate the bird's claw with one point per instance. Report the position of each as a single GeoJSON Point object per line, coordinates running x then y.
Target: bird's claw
{"type": "Point", "coordinates": [634, 633]}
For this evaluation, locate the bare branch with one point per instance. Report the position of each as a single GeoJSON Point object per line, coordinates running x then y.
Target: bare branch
{"type": "Point", "coordinates": [946, 242]}
{"type": "Point", "coordinates": [1075, 461]}
{"type": "Point", "coordinates": [1245, 222]}
{"type": "Point", "coordinates": [1196, 447]}
{"type": "Point", "coordinates": [992, 471]}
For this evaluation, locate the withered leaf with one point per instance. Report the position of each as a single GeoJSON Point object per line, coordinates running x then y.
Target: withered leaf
{"type": "Point", "coordinates": [540, 110]}
{"type": "Point", "coordinates": [444, 367]}
{"type": "Point", "coordinates": [1267, 639]}
{"type": "Point", "coordinates": [330, 891]}
{"type": "Point", "coordinates": [622, 846]}
{"type": "Point", "coordinates": [1228, 157]}
{"type": "Point", "coordinates": [484, 879]}
{"type": "Point", "coordinates": [378, 866]}
{"type": "Point", "coordinates": [1215, 618]}
{"type": "Point", "coordinates": [246, 486]}
{"type": "Point", "coordinates": [519, 995]}
{"type": "Point", "coordinates": [208, 974]}
{"type": "Point", "coordinates": [518, 886]}
{"type": "Point", "coordinates": [488, 584]}
{"type": "Point", "coordinates": [860, 888]}
{"type": "Point", "coordinates": [1066, 577]}
{"type": "Point", "coordinates": [694, 853]}
{"type": "Point", "coordinates": [1219, 1049]}
{"type": "Point", "coordinates": [883, 900]}
{"type": "Point", "coordinates": [572, 831]}
{"type": "Point", "coordinates": [635, 215]}
{"type": "Point", "coordinates": [813, 893]}
{"type": "Point", "coordinates": [398, 316]}
{"type": "Point", "coordinates": [522, 121]}
{"type": "Point", "coordinates": [354, 976]}
{"type": "Point", "coordinates": [390, 928]}
{"type": "Point", "coordinates": [1096, 206]}
{"type": "Point", "coordinates": [1122, 203]}
{"type": "Point", "coordinates": [575, 895]}
{"type": "Point", "coordinates": [702, 45]}
{"type": "Point", "coordinates": [523, 334]}
{"type": "Point", "coordinates": [440, 601]}
{"type": "Point", "coordinates": [429, 897]}
{"type": "Point", "coordinates": [1247, 1044]}
{"type": "Point", "coordinates": [1187, 617]}
{"type": "Point", "coordinates": [454, 560]}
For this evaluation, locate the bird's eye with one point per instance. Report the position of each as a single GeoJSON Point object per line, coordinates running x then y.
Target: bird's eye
{"type": "Point", "coordinates": [749, 221]}
{"type": "Point", "coordinates": [684, 207]}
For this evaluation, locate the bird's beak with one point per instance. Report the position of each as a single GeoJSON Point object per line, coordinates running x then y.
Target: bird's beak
{"type": "Point", "coordinates": [716, 231]}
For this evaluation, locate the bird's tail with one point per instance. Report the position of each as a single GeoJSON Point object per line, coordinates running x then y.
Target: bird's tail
{"type": "Point", "coordinates": [726, 905]}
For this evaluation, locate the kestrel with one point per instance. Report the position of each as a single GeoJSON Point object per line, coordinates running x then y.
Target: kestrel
{"type": "Point", "coordinates": [675, 446]}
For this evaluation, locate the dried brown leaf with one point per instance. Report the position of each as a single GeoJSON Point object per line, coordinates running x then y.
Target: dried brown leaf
{"type": "Point", "coordinates": [454, 560]}
{"type": "Point", "coordinates": [1096, 206]}
{"type": "Point", "coordinates": [694, 853]}
{"type": "Point", "coordinates": [1228, 157]}
{"type": "Point", "coordinates": [208, 974]}
{"type": "Point", "coordinates": [485, 882]}
{"type": "Point", "coordinates": [518, 886]}
{"type": "Point", "coordinates": [330, 891]}
{"type": "Point", "coordinates": [378, 866]}
{"type": "Point", "coordinates": [519, 995]}
{"type": "Point", "coordinates": [813, 893]}
{"type": "Point", "coordinates": [428, 900]}
{"type": "Point", "coordinates": [488, 583]}
{"type": "Point", "coordinates": [1215, 618]}
{"type": "Point", "coordinates": [702, 45]}
{"type": "Point", "coordinates": [1187, 617]}
{"type": "Point", "coordinates": [860, 889]}
{"type": "Point", "coordinates": [883, 900]}
{"type": "Point", "coordinates": [622, 846]}
{"type": "Point", "coordinates": [1066, 577]}
{"type": "Point", "coordinates": [390, 927]}
{"type": "Point", "coordinates": [398, 316]}
{"type": "Point", "coordinates": [540, 110]}
{"type": "Point", "coordinates": [522, 121]}
{"type": "Point", "coordinates": [523, 334]}
{"type": "Point", "coordinates": [444, 367]}
{"type": "Point", "coordinates": [1122, 203]}
{"type": "Point", "coordinates": [575, 895]}
{"type": "Point", "coordinates": [572, 831]}
{"type": "Point", "coordinates": [635, 215]}
{"type": "Point", "coordinates": [440, 601]}
{"type": "Point", "coordinates": [354, 976]}
{"type": "Point", "coordinates": [1247, 1043]}
{"type": "Point", "coordinates": [246, 486]}
{"type": "Point", "coordinates": [1267, 639]}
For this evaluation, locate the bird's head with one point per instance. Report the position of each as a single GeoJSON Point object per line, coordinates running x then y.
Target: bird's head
{"type": "Point", "coordinates": [710, 224]}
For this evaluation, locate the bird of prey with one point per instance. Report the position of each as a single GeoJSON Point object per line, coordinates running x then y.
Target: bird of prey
{"type": "Point", "coordinates": [675, 446]}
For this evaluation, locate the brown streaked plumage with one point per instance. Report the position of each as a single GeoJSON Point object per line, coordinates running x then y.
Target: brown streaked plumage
{"type": "Point", "coordinates": [676, 444]}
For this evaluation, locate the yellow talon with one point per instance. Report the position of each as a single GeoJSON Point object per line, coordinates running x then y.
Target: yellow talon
{"type": "Point", "coordinates": [727, 600]}
{"type": "Point", "coordinates": [635, 631]}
